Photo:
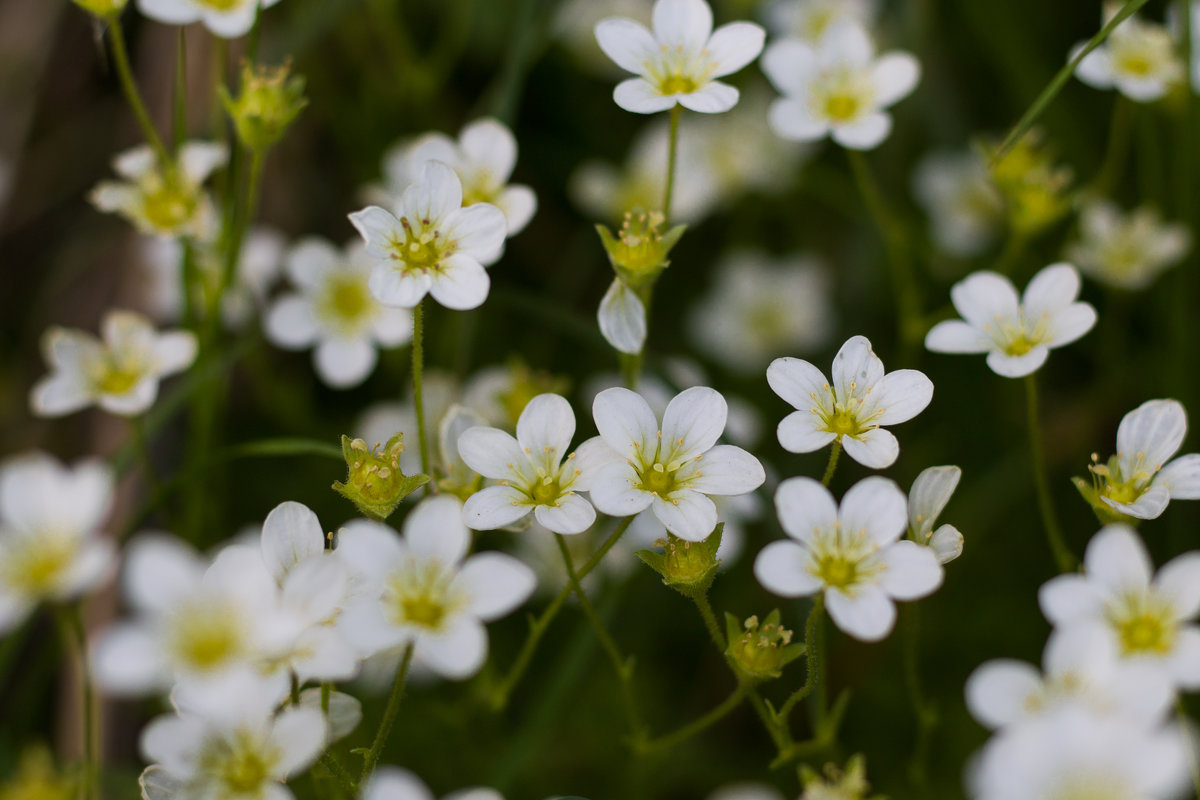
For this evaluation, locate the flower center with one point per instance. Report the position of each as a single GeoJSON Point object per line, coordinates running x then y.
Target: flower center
{"type": "Point", "coordinates": [168, 205]}
{"type": "Point", "coordinates": [347, 299]}
{"type": "Point", "coordinates": [838, 571]}
{"type": "Point", "coordinates": [421, 249]}
{"type": "Point", "coordinates": [221, 5]}
{"type": "Point", "coordinates": [676, 83]}
{"type": "Point", "coordinates": [206, 636]}
{"type": "Point", "coordinates": [842, 107]}
{"type": "Point", "coordinates": [117, 378]}
{"type": "Point", "coordinates": [244, 771]}
{"type": "Point", "coordinates": [545, 492]}
{"type": "Point", "coordinates": [842, 559]}
{"type": "Point", "coordinates": [420, 596]}
{"type": "Point", "coordinates": [658, 480]}
{"type": "Point", "coordinates": [843, 423]}
{"type": "Point", "coordinates": [1144, 633]}
{"type": "Point", "coordinates": [36, 568]}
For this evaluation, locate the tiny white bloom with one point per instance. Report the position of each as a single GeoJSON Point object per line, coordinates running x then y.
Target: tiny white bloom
{"type": "Point", "coordinates": [929, 494]}
{"type": "Point", "coordinates": [484, 157]}
{"type": "Point", "coordinates": [810, 20]}
{"type": "Point", "coordinates": [164, 202]}
{"type": "Point", "coordinates": [854, 554]}
{"type": "Point", "coordinates": [50, 549]}
{"type": "Point", "coordinates": [336, 311]}
{"type": "Point", "coordinates": [1138, 59]}
{"type": "Point", "coordinates": [853, 409]}
{"type": "Point", "coordinates": [1016, 333]}
{"type": "Point", "coordinates": [670, 469]}
{"type": "Point", "coordinates": [758, 307]}
{"type": "Point", "coordinates": [837, 87]}
{"type": "Point", "coordinates": [1127, 250]}
{"type": "Point", "coordinates": [680, 60]}
{"type": "Point", "coordinates": [436, 246]}
{"type": "Point", "coordinates": [535, 471]}
{"type": "Point", "coordinates": [421, 589]}
{"type": "Point", "coordinates": [120, 374]}
{"type": "Point", "coordinates": [394, 783]}
{"type": "Point", "coordinates": [966, 210]}
{"type": "Point", "coordinates": [1150, 617]}
{"type": "Point", "coordinates": [228, 19]}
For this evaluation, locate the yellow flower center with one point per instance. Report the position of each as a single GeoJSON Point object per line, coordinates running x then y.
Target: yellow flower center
{"type": "Point", "coordinates": [35, 568]}
{"type": "Point", "coordinates": [1145, 633]}
{"type": "Point", "coordinates": [838, 571]}
{"type": "Point", "coordinates": [545, 492]}
{"type": "Point", "coordinates": [676, 84]}
{"type": "Point", "coordinates": [842, 107]}
{"type": "Point", "coordinates": [117, 378]}
{"type": "Point", "coordinates": [420, 251]}
{"type": "Point", "coordinates": [347, 298]}
{"type": "Point", "coordinates": [420, 595]}
{"type": "Point", "coordinates": [657, 479]}
{"type": "Point", "coordinates": [169, 205]}
{"type": "Point", "coordinates": [206, 637]}
{"type": "Point", "coordinates": [245, 771]}
{"type": "Point", "coordinates": [843, 424]}
{"type": "Point", "coordinates": [221, 5]}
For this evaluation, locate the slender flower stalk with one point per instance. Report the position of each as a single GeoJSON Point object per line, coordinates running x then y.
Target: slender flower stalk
{"type": "Point", "coordinates": [698, 726]}
{"type": "Point", "coordinates": [371, 758]}
{"type": "Point", "coordinates": [418, 367]}
{"type": "Point", "coordinates": [133, 96]}
{"type": "Point", "coordinates": [831, 465]}
{"type": "Point", "coordinates": [75, 638]}
{"type": "Point", "coordinates": [1062, 555]}
{"type": "Point", "coordinates": [672, 153]}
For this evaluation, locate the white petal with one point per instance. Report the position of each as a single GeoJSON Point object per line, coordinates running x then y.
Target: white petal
{"type": "Point", "coordinates": [158, 784]}
{"type": "Point", "coordinates": [692, 423]}
{"type": "Point", "coordinates": [622, 318]}
{"type": "Point", "coordinates": [1052, 289]}
{"type": "Point", "coordinates": [640, 97]}
{"type": "Point", "coordinates": [984, 297]}
{"type": "Point", "coordinates": [316, 587]}
{"type": "Point", "coordinates": [160, 571]}
{"type": "Point", "coordinates": [900, 396]}
{"type": "Point", "coordinates": [896, 75]}
{"type": "Point", "coordinates": [198, 160]}
{"type": "Point", "coordinates": [735, 45]}
{"type": "Point", "coordinates": [1095, 69]}
{"type": "Point", "coordinates": [855, 363]}
{"type": "Point", "coordinates": [370, 549]}
{"type": "Point", "coordinates": [629, 44]}
{"type": "Point", "coordinates": [299, 734]}
{"type": "Point", "coordinates": [436, 194]}
{"type": "Point", "coordinates": [866, 133]}
{"type": "Point", "coordinates": [127, 661]}
{"type": "Point", "coordinates": [364, 625]}
{"type": "Point", "coordinates": [1179, 580]}
{"type": "Point", "coordinates": [462, 283]}
{"type": "Point", "coordinates": [456, 652]}
{"type": "Point", "coordinates": [1149, 505]}
{"type": "Point", "coordinates": [946, 543]}
{"type": "Point", "coordinates": [1117, 561]}
{"type": "Point", "coordinates": [493, 454]}
{"type": "Point", "coordinates": [591, 457]}
{"type": "Point", "coordinates": [1185, 659]}
{"type": "Point", "coordinates": [912, 571]}
{"type": "Point", "coordinates": [726, 470]}
{"type": "Point", "coordinates": [310, 261]}
{"type": "Point", "coordinates": [877, 449]}
{"type": "Point", "coordinates": [1151, 433]}
{"type": "Point", "coordinates": [174, 352]}
{"type": "Point", "coordinates": [519, 204]}
{"type": "Point", "coordinates": [495, 507]}
{"type": "Point", "coordinates": [682, 22]}
{"type": "Point", "coordinates": [847, 42]}
{"type": "Point", "coordinates": [93, 565]}
{"type": "Point", "coordinates": [477, 230]}
{"type": "Point", "coordinates": [790, 65]}
{"type": "Point", "coordinates": [393, 327]}
{"type": "Point", "coordinates": [1069, 598]}
{"type": "Point", "coordinates": [392, 783]}
{"type": "Point", "coordinates": [232, 24]}
{"type": "Point", "coordinates": [572, 514]}
{"type": "Point", "coordinates": [781, 567]}
{"type": "Point", "coordinates": [956, 336]}
{"type": "Point", "coordinates": [804, 506]}
{"type": "Point", "coordinates": [1072, 323]}
{"type": "Point", "coordinates": [489, 144]}
{"type": "Point", "coordinates": [803, 432]}
{"type": "Point", "coordinates": [715, 98]}
{"type": "Point", "coordinates": [998, 692]}
{"type": "Point", "coordinates": [546, 427]}
{"type": "Point", "coordinates": [435, 530]}
{"type": "Point", "coordinates": [868, 614]}
{"type": "Point", "coordinates": [625, 422]}
{"type": "Point", "coordinates": [1008, 366]}
{"type": "Point", "coordinates": [170, 12]}
{"type": "Point", "coordinates": [791, 119]}
{"type": "Point", "coordinates": [342, 363]}
{"type": "Point", "coordinates": [13, 611]}
{"type": "Point", "coordinates": [798, 382]}
{"type": "Point", "coordinates": [394, 287]}
{"type": "Point", "coordinates": [929, 494]}
{"type": "Point", "coordinates": [877, 507]}
{"type": "Point", "coordinates": [496, 584]}
{"type": "Point", "coordinates": [378, 228]}
{"type": "Point", "coordinates": [1181, 477]}
{"type": "Point", "coordinates": [345, 712]}
{"type": "Point", "coordinates": [614, 491]}
{"type": "Point", "coordinates": [60, 394]}
{"type": "Point", "coordinates": [687, 514]}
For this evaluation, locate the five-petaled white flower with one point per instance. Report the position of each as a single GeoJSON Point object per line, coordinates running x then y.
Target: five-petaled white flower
{"type": "Point", "coordinates": [1138, 481]}
{"type": "Point", "coordinates": [680, 61]}
{"type": "Point", "coordinates": [419, 590]}
{"type": "Point", "coordinates": [225, 18]}
{"type": "Point", "coordinates": [1150, 617]}
{"type": "Point", "coordinates": [928, 496]}
{"type": "Point", "coordinates": [49, 547]}
{"type": "Point", "coordinates": [335, 310]}
{"type": "Point", "coordinates": [673, 468]}
{"type": "Point", "coordinates": [1127, 250]}
{"type": "Point", "coordinates": [119, 374]}
{"type": "Point", "coordinates": [853, 409]}
{"type": "Point", "coordinates": [533, 473]}
{"type": "Point", "coordinates": [483, 157]}
{"type": "Point", "coordinates": [837, 87]}
{"type": "Point", "coordinates": [1138, 59]}
{"type": "Point", "coordinates": [393, 783]}
{"type": "Point", "coordinates": [853, 554]}
{"type": "Point", "coordinates": [164, 200]}
{"type": "Point", "coordinates": [435, 247]}
{"type": "Point", "coordinates": [1016, 333]}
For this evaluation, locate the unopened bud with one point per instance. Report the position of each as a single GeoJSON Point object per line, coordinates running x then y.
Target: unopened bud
{"type": "Point", "coordinates": [374, 480]}
{"type": "Point", "coordinates": [269, 101]}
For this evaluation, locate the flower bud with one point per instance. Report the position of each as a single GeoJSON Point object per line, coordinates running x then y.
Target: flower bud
{"type": "Point", "coordinates": [1104, 483]}
{"type": "Point", "coordinates": [270, 100]}
{"type": "Point", "coordinates": [835, 784]}
{"type": "Point", "coordinates": [105, 9]}
{"type": "Point", "coordinates": [639, 250]}
{"type": "Point", "coordinates": [687, 567]}
{"type": "Point", "coordinates": [374, 482]}
{"type": "Point", "coordinates": [760, 651]}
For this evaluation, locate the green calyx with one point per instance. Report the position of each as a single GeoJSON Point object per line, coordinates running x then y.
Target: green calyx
{"type": "Point", "coordinates": [687, 567]}
{"type": "Point", "coordinates": [836, 784]}
{"type": "Point", "coordinates": [270, 100]}
{"type": "Point", "coordinates": [374, 482]}
{"type": "Point", "coordinates": [1108, 482]}
{"type": "Point", "coordinates": [760, 651]}
{"type": "Point", "coordinates": [638, 252]}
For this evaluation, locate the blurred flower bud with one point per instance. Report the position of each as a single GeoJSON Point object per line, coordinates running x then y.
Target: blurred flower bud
{"type": "Point", "coordinates": [270, 100]}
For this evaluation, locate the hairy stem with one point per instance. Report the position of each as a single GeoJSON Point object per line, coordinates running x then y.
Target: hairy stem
{"type": "Point", "coordinates": [389, 716]}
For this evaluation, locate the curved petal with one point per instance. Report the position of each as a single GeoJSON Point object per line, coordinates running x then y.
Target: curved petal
{"type": "Point", "coordinates": [291, 533]}
{"type": "Point", "coordinates": [1051, 290]}
{"type": "Point", "coordinates": [724, 470]}
{"type": "Point", "coordinates": [60, 394]}
{"type": "Point", "coordinates": [735, 45]}
{"type": "Point", "coordinates": [911, 571]}
{"type": "Point", "coordinates": [622, 318]}
{"type": "Point", "coordinates": [495, 507]}
{"type": "Point", "coordinates": [625, 422]}
{"type": "Point", "coordinates": [782, 568]}
{"type": "Point", "coordinates": [868, 614]}
{"type": "Point", "coordinates": [1150, 434]}
{"type": "Point", "coordinates": [866, 133]}
{"type": "Point", "coordinates": [1071, 323]}
{"type": "Point", "coordinates": [127, 661]}
{"type": "Point", "coordinates": [798, 382]}
{"type": "Point", "coordinates": [901, 395]}
{"type": "Point", "coordinates": [956, 336]}
{"type": "Point", "coordinates": [496, 584]}
{"type": "Point", "coordinates": [588, 459]}
{"type": "Point", "coordinates": [877, 507]}
{"type": "Point", "coordinates": [895, 75]}
{"type": "Point", "coordinates": [493, 454]}
{"type": "Point", "coordinates": [570, 515]}
{"type": "Point", "coordinates": [983, 297]}
{"type": "Point", "coordinates": [488, 143]}
{"type": "Point", "coordinates": [876, 449]}
{"type": "Point", "coordinates": [159, 572]}
{"type": "Point", "coordinates": [1181, 477]}
{"type": "Point", "coordinates": [1070, 598]}
{"type": "Point", "coordinates": [930, 493]}
{"type": "Point", "coordinates": [692, 423]}
{"type": "Point", "coordinates": [298, 736]}
{"type": "Point", "coordinates": [790, 65]}
{"type": "Point", "coordinates": [1179, 581]}
{"type": "Point", "coordinates": [803, 432]}
{"type": "Point", "coordinates": [998, 692]}
{"type": "Point", "coordinates": [434, 529]}
{"type": "Point", "coordinates": [462, 283]}
{"type": "Point", "coordinates": [378, 228]}
{"type": "Point", "coordinates": [1117, 560]}
{"type": "Point", "coordinates": [311, 260]}
{"type": "Point", "coordinates": [435, 195]}
{"type": "Point", "coordinates": [946, 543]}
{"type": "Point", "coordinates": [686, 23]}
{"type": "Point", "coordinates": [856, 368]}
{"type": "Point", "coordinates": [456, 652]}
{"type": "Point", "coordinates": [545, 427]}
{"type": "Point", "coordinates": [477, 230]}
{"type": "Point", "coordinates": [1008, 366]}
{"type": "Point", "coordinates": [791, 119]}
{"type": "Point", "coordinates": [343, 363]}
{"type": "Point", "coordinates": [715, 98]}
{"type": "Point", "coordinates": [687, 514]}
{"type": "Point", "coordinates": [804, 506]}
{"type": "Point", "coordinates": [641, 97]}
{"type": "Point", "coordinates": [629, 44]}
{"type": "Point", "coordinates": [519, 204]}
{"type": "Point", "coordinates": [369, 549]}
{"type": "Point", "coordinates": [614, 491]}
{"type": "Point", "coordinates": [1149, 505]}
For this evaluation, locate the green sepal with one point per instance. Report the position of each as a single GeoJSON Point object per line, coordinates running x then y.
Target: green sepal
{"type": "Point", "coordinates": [268, 102]}
{"type": "Point", "coordinates": [687, 567]}
{"type": "Point", "coordinates": [1103, 511]}
{"type": "Point", "coordinates": [760, 651]}
{"type": "Point", "coordinates": [374, 481]}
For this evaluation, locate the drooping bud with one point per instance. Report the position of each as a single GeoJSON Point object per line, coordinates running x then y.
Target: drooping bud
{"type": "Point", "coordinates": [270, 99]}
{"type": "Point", "coordinates": [640, 248]}
{"type": "Point", "coordinates": [374, 482]}
{"type": "Point", "coordinates": [104, 9]}
{"type": "Point", "coordinates": [687, 567]}
{"type": "Point", "coordinates": [760, 651]}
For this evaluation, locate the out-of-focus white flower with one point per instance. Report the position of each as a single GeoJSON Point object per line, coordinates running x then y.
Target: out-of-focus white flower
{"type": "Point", "coordinates": [435, 247]}
{"type": "Point", "coordinates": [837, 87]}
{"type": "Point", "coordinates": [1138, 59]}
{"type": "Point", "coordinates": [1081, 666]}
{"type": "Point", "coordinates": [853, 554]}
{"type": "Point", "coordinates": [966, 210]}
{"type": "Point", "coordinates": [1127, 250]}
{"type": "Point", "coordinates": [679, 61]}
{"type": "Point", "coordinates": [120, 374]}
{"type": "Point", "coordinates": [50, 548]}
{"type": "Point", "coordinates": [853, 409]}
{"type": "Point", "coordinates": [225, 18]}
{"type": "Point", "coordinates": [162, 276]}
{"type": "Point", "coordinates": [809, 20]}
{"type": "Point", "coordinates": [393, 783]}
{"type": "Point", "coordinates": [670, 469]}
{"type": "Point", "coordinates": [345, 711]}
{"type": "Point", "coordinates": [746, 791]}
{"type": "Point", "coordinates": [164, 202]}
{"type": "Point", "coordinates": [1016, 333]}
{"type": "Point", "coordinates": [928, 496]}
{"type": "Point", "coordinates": [1149, 617]}
{"type": "Point", "coordinates": [1175, 25]}
{"type": "Point", "coordinates": [484, 157]}
{"type": "Point", "coordinates": [419, 590]}
{"type": "Point", "coordinates": [335, 310]}
{"type": "Point", "coordinates": [758, 308]}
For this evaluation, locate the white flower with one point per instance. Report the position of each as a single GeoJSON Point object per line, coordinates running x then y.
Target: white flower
{"type": "Point", "coordinates": [929, 494]}
{"type": "Point", "coordinates": [809, 20]}
{"type": "Point", "coordinates": [162, 202]}
{"type": "Point", "coordinates": [119, 374]}
{"type": "Point", "coordinates": [966, 210]}
{"type": "Point", "coordinates": [853, 554]}
{"type": "Point", "coordinates": [735, 511]}
{"type": "Point", "coordinates": [1138, 481]}
{"type": "Point", "coordinates": [853, 410]}
{"type": "Point", "coordinates": [837, 87]}
{"type": "Point", "coordinates": [345, 711]}
{"type": "Point", "coordinates": [419, 590]}
{"type": "Point", "coordinates": [393, 783]}
{"type": "Point", "coordinates": [1127, 250]}
{"type": "Point", "coordinates": [758, 307]}
{"type": "Point", "coordinates": [1138, 59]}
{"type": "Point", "coordinates": [336, 311]}
{"type": "Point", "coordinates": [1082, 667]}
{"type": "Point", "coordinates": [49, 543]}
{"type": "Point", "coordinates": [483, 157]}
{"type": "Point", "coordinates": [680, 60]}
{"type": "Point", "coordinates": [1150, 617]}
{"type": "Point", "coordinates": [1017, 334]}
{"type": "Point", "coordinates": [225, 18]}
{"type": "Point", "coordinates": [1075, 753]}
{"type": "Point", "coordinates": [535, 471]}
{"type": "Point", "coordinates": [435, 247]}
{"type": "Point", "coordinates": [674, 468]}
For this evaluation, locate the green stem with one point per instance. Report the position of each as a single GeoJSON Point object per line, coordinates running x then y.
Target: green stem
{"type": "Point", "coordinates": [241, 221]}
{"type": "Point", "coordinates": [710, 620]}
{"type": "Point", "coordinates": [923, 711]}
{"type": "Point", "coordinates": [341, 773]}
{"type": "Point", "coordinates": [672, 152]}
{"type": "Point", "coordinates": [134, 97]}
{"type": "Point", "coordinates": [1062, 555]}
{"type": "Point", "coordinates": [667, 741]}
{"type": "Point", "coordinates": [814, 658]}
{"type": "Point", "coordinates": [76, 638]}
{"type": "Point", "coordinates": [621, 665]}
{"type": "Point", "coordinates": [499, 695]}
{"type": "Point", "coordinates": [179, 126]}
{"type": "Point", "coordinates": [1117, 149]}
{"type": "Point", "coordinates": [418, 365]}
{"type": "Point", "coordinates": [831, 466]}
{"type": "Point", "coordinates": [389, 716]}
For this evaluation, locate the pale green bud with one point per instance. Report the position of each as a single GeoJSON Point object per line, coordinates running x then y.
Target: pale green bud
{"type": "Point", "coordinates": [835, 784]}
{"type": "Point", "coordinates": [760, 651]}
{"type": "Point", "coordinates": [269, 101]}
{"type": "Point", "coordinates": [687, 567]}
{"type": "Point", "coordinates": [639, 250]}
{"type": "Point", "coordinates": [374, 481]}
